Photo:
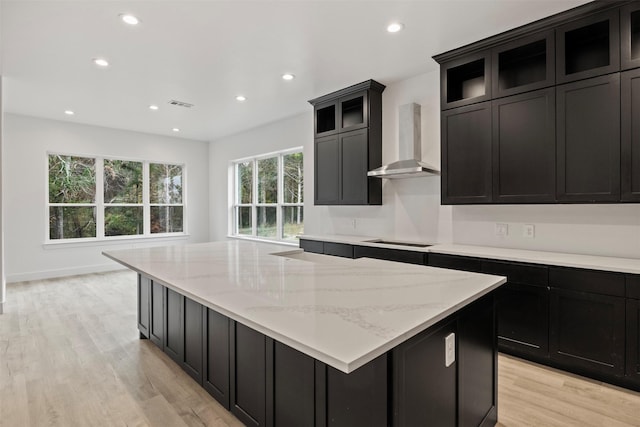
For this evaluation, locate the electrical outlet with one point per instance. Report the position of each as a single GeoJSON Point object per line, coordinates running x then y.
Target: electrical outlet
{"type": "Point", "coordinates": [529, 231]}
{"type": "Point", "coordinates": [502, 229]}
{"type": "Point", "coordinates": [449, 350]}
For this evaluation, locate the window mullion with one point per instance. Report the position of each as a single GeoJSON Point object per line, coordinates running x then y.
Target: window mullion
{"type": "Point", "coordinates": [146, 207]}
{"type": "Point", "coordinates": [254, 200]}
{"type": "Point", "coordinates": [280, 198]}
{"type": "Point", "coordinates": [99, 199]}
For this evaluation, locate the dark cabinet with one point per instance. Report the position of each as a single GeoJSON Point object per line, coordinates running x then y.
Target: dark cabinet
{"type": "Point", "coordinates": [313, 246]}
{"type": "Point", "coordinates": [338, 249]}
{"type": "Point", "coordinates": [248, 375]}
{"type": "Point", "coordinates": [633, 328]}
{"type": "Point", "coordinates": [588, 47]}
{"type": "Point", "coordinates": [173, 325]}
{"type": "Point", "coordinates": [587, 320]}
{"type": "Point", "coordinates": [216, 356]}
{"type": "Point", "coordinates": [588, 140]}
{"type": "Point", "coordinates": [293, 388]}
{"type": "Point", "coordinates": [399, 255]}
{"type": "Point", "coordinates": [524, 144]}
{"type": "Point", "coordinates": [524, 64]}
{"type": "Point", "coordinates": [630, 36]}
{"type": "Point", "coordinates": [630, 137]}
{"type": "Point", "coordinates": [348, 143]}
{"type": "Point", "coordinates": [522, 308]}
{"type": "Point", "coordinates": [414, 379]}
{"type": "Point", "coordinates": [193, 331]}
{"type": "Point", "coordinates": [156, 323]}
{"type": "Point", "coordinates": [144, 305]}
{"type": "Point", "coordinates": [455, 262]}
{"type": "Point", "coordinates": [465, 80]}
{"type": "Point", "coordinates": [466, 154]}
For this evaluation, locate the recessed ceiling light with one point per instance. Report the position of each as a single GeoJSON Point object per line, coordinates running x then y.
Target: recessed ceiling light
{"type": "Point", "coordinates": [175, 130]}
{"type": "Point", "coordinates": [129, 19]}
{"type": "Point", "coordinates": [101, 62]}
{"type": "Point", "coordinates": [153, 107]}
{"type": "Point", "coordinates": [69, 112]}
{"type": "Point", "coordinates": [288, 76]}
{"type": "Point", "coordinates": [395, 27]}
{"type": "Point", "coordinates": [241, 98]}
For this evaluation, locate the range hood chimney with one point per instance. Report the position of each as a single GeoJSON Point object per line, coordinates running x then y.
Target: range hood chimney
{"type": "Point", "coordinates": [409, 147]}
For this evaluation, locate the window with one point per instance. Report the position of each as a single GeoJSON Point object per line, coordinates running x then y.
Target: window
{"type": "Point", "coordinates": [93, 197]}
{"type": "Point", "coordinates": [268, 196]}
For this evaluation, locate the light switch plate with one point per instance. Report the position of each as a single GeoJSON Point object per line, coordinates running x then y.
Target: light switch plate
{"type": "Point", "coordinates": [502, 229]}
{"type": "Point", "coordinates": [529, 231]}
{"type": "Point", "coordinates": [449, 350]}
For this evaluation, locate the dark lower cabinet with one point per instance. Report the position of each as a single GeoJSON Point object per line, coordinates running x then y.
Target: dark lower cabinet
{"type": "Point", "coordinates": [477, 365]}
{"type": "Point", "coordinates": [144, 305]}
{"type": "Point", "coordinates": [587, 332]}
{"type": "Point", "coordinates": [416, 402]}
{"type": "Point", "coordinates": [630, 149]}
{"type": "Point", "coordinates": [248, 375]}
{"type": "Point", "coordinates": [588, 140]}
{"type": "Point", "coordinates": [633, 341]}
{"type": "Point", "coordinates": [358, 398]}
{"type": "Point", "coordinates": [338, 249]}
{"type": "Point", "coordinates": [173, 325]}
{"type": "Point", "coordinates": [313, 246]}
{"type": "Point", "coordinates": [216, 356]}
{"type": "Point", "coordinates": [193, 331]}
{"type": "Point", "coordinates": [156, 323]}
{"type": "Point", "coordinates": [294, 393]}
{"type": "Point", "coordinates": [398, 255]}
{"type": "Point", "coordinates": [466, 154]}
{"type": "Point", "coordinates": [455, 262]}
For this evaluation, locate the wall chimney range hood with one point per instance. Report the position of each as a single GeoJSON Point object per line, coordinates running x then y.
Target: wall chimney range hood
{"type": "Point", "coordinates": [409, 147]}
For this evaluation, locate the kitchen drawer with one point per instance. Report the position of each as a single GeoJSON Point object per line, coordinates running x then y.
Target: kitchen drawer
{"type": "Point", "coordinates": [399, 255]}
{"type": "Point", "coordinates": [338, 249]}
{"type": "Point", "coordinates": [312, 246]}
{"type": "Point", "coordinates": [590, 281]}
{"type": "Point", "coordinates": [455, 262]}
{"type": "Point", "coordinates": [524, 274]}
{"type": "Point", "coordinates": [633, 286]}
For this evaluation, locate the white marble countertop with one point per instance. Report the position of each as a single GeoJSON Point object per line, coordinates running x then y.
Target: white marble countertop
{"type": "Point", "coordinates": [620, 265]}
{"type": "Point", "coordinates": [340, 311]}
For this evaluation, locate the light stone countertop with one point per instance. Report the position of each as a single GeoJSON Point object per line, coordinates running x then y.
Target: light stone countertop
{"type": "Point", "coordinates": [620, 265]}
{"type": "Point", "coordinates": [340, 311]}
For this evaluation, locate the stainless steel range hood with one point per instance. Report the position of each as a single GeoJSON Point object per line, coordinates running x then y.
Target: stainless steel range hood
{"type": "Point", "coordinates": [409, 147]}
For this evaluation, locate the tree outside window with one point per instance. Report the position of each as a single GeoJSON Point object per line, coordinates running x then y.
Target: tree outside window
{"type": "Point", "coordinates": [268, 196]}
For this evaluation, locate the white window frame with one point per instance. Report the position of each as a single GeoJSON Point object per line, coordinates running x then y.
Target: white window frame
{"type": "Point", "coordinates": [100, 205]}
{"type": "Point", "coordinates": [254, 205]}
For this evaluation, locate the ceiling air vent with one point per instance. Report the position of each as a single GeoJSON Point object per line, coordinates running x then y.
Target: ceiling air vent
{"type": "Point", "coordinates": [180, 104]}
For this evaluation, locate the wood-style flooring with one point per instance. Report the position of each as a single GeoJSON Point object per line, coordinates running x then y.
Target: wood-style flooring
{"type": "Point", "coordinates": [70, 356]}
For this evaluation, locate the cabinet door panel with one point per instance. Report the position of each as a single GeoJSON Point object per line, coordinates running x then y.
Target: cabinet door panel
{"type": "Point", "coordinates": [630, 36]}
{"type": "Point", "coordinates": [523, 319]}
{"type": "Point", "coordinates": [192, 319]}
{"type": "Point", "coordinates": [216, 356]}
{"type": "Point", "coordinates": [156, 332]}
{"type": "Point", "coordinates": [466, 155]}
{"type": "Point", "coordinates": [466, 80]}
{"type": "Point", "coordinates": [144, 305]}
{"type": "Point", "coordinates": [633, 340]}
{"type": "Point", "coordinates": [588, 158]}
{"type": "Point", "coordinates": [312, 246]}
{"type": "Point", "coordinates": [327, 171]}
{"type": "Point", "coordinates": [587, 331]}
{"type": "Point", "coordinates": [353, 111]}
{"type": "Point", "coordinates": [418, 364]}
{"type": "Point", "coordinates": [354, 153]}
{"type": "Point", "coordinates": [174, 325]}
{"type": "Point", "coordinates": [524, 148]}
{"type": "Point", "coordinates": [592, 281]}
{"type": "Point", "coordinates": [630, 149]}
{"type": "Point", "coordinates": [248, 370]}
{"type": "Point", "coordinates": [294, 388]}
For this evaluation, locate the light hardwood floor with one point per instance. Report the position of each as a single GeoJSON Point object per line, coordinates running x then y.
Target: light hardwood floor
{"type": "Point", "coordinates": [70, 356]}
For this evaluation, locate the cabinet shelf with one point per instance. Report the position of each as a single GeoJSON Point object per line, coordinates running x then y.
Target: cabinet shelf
{"type": "Point", "coordinates": [466, 81]}
{"type": "Point", "coordinates": [523, 65]}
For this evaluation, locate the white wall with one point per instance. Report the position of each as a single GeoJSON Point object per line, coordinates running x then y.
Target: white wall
{"type": "Point", "coordinates": [411, 208]}
{"type": "Point", "coordinates": [26, 143]}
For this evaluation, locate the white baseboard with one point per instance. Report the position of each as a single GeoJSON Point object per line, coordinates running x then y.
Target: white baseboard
{"type": "Point", "coordinates": [74, 271]}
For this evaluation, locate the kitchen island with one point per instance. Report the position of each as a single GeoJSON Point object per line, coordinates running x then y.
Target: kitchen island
{"type": "Point", "coordinates": [287, 338]}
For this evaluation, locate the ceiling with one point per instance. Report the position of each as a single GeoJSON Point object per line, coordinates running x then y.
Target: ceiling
{"type": "Point", "coordinates": [207, 52]}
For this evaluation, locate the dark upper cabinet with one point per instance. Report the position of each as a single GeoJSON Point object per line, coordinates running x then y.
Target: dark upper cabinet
{"type": "Point", "coordinates": [327, 166]}
{"type": "Point", "coordinates": [588, 140]}
{"type": "Point", "coordinates": [144, 305]}
{"type": "Point", "coordinates": [466, 154]}
{"type": "Point", "coordinates": [348, 144]}
{"type": "Point", "coordinates": [630, 36]}
{"type": "Point", "coordinates": [524, 144]}
{"type": "Point", "coordinates": [587, 320]}
{"type": "Point", "coordinates": [630, 136]}
{"type": "Point", "coordinates": [588, 47]}
{"type": "Point", "coordinates": [522, 308]}
{"type": "Point", "coordinates": [523, 65]}
{"type": "Point", "coordinates": [466, 80]}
